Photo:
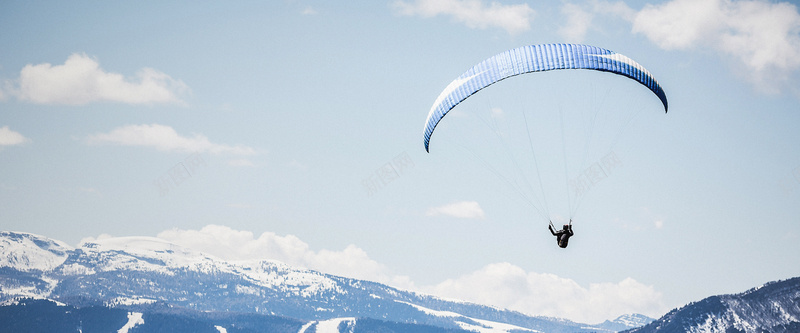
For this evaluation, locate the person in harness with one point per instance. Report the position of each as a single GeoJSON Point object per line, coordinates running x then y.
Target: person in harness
{"type": "Point", "coordinates": [563, 235]}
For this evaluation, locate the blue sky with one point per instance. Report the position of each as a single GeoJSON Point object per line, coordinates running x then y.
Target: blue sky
{"type": "Point", "coordinates": [292, 130]}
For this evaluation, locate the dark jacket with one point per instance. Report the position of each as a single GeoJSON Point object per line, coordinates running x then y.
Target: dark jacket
{"type": "Point", "coordinates": [563, 235]}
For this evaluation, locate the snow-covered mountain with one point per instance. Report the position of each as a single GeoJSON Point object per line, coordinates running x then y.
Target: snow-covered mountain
{"type": "Point", "coordinates": [27, 252]}
{"type": "Point", "coordinates": [625, 322]}
{"type": "Point", "coordinates": [149, 275]}
{"type": "Point", "coordinates": [773, 307]}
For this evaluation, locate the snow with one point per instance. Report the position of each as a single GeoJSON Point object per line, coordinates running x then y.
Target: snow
{"type": "Point", "coordinates": [128, 301]}
{"type": "Point", "coordinates": [741, 324]}
{"type": "Point", "coordinates": [782, 313]}
{"type": "Point", "coordinates": [134, 319]}
{"type": "Point", "coordinates": [327, 326]}
{"type": "Point", "coordinates": [247, 290]}
{"type": "Point", "coordinates": [711, 325]}
{"type": "Point", "coordinates": [306, 326]}
{"type": "Point", "coordinates": [632, 320]}
{"type": "Point", "coordinates": [493, 327]}
{"type": "Point", "coordinates": [76, 269]}
{"type": "Point", "coordinates": [437, 313]}
{"type": "Point", "coordinates": [485, 326]}
{"type": "Point", "coordinates": [22, 291]}
{"type": "Point", "coordinates": [149, 254]}
{"type": "Point", "coordinates": [16, 300]}
{"type": "Point", "coordinates": [154, 255]}
{"type": "Point", "coordinates": [26, 252]}
{"type": "Point", "coordinates": [272, 274]}
{"type": "Point", "coordinates": [332, 325]}
{"type": "Point", "coordinates": [146, 253]}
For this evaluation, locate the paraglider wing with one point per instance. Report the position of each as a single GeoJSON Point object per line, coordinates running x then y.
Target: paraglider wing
{"type": "Point", "coordinates": [536, 58]}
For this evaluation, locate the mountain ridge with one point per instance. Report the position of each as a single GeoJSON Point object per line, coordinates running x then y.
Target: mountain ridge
{"type": "Point", "coordinates": [169, 285]}
{"type": "Point", "coordinates": [142, 274]}
{"type": "Point", "coordinates": [772, 307]}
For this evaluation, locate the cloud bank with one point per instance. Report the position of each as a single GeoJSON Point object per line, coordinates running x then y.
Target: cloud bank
{"type": "Point", "coordinates": [230, 244]}
{"type": "Point", "coordinates": [164, 138]}
{"type": "Point", "coordinates": [80, 81]}
{"type": "Point", "coordinates": [761, 36]}
{"type": "Point", "coordinates": [580, 17]}
{"type": "Point", "coordinates": [508, 286]}
{"type": "Point", "coordinates": [500, 284]}
{"type": "Point", "coordinates": [578, 22]}
{"type": "Point", "coordinates": [472, 13]}
{"type": "Point", "coordinates": [760, 39]}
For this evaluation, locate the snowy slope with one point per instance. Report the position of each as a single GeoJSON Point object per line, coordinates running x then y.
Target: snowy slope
{"type": "Point", "coordinates": [773, 307]}
{"type": "Point", "coordinates": [23, 251]}
{"type": "Point", "coordinates": [153, 255]}
{"type": "Point", "coordinates": [472, 324]}
{"type": "Point", "coordinates": [141, 274]}
{"type": "Point", "coordinates": [625, 322]}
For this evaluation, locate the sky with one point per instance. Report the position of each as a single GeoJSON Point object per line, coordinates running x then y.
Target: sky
{"type": "Point", "coordinates": [293, 130]}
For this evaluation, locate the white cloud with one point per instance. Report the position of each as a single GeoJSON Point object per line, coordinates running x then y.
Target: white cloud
{"type": "Point", "coordinates": [308, 10]}
{"type": "Point", "coordinates": [580, 17]}
{"type": "Point", "coordinates": [473, 13]}
{"type": "Point", "coordinates": [230, 244]}
{"type": "Point", "coordinates": [164, 138]}
{"type": "Point", "coordinates": [618, 9]}
{"type": "Point", "coordinates": [761, 36]}
{"type": "Point", "coordinates": [80, 80]}
{"type": "Point", "coordinates": [679, 24]}
{"type": "Point", "coordinates": [578, 22]}
{"type": "Point", "coordinates": [92, 239]}
{"type": "Point", "coordinates": [11, 138]}
{"type": "Point", "coordinates": [461, 209]}
{"type": "Point", "coordinates": [507, 286]}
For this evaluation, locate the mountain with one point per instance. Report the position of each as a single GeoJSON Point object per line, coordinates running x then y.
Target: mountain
{"type": "Point", "coordinates": [151, 277]}
{"type": "Point", "coordinates": [773, 307]}
{"type": "Point", "coordinates": [26, 315]}
{"type": "Point", "coordinates": [625, 322]}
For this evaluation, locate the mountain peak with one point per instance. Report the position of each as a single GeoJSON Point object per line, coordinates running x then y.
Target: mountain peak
{"type": "Point", "coordinates": [633, 320]}
{"type": "Point", "coordinates": [769, 308]}
{"type": "Point", "coordinates": [119, 252]}
{"type": "Point", "coordinates": [25, 251]}
{"type": "Point", "coordinates": [625, 322]}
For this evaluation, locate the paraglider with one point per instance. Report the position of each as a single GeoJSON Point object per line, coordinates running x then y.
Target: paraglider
{"type": "Point", "coordinates": [563, 235]}
{"type": "Point", "coordinates": [532, 59]}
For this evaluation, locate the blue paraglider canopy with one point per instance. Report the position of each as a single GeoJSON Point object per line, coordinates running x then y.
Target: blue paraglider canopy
{"type": "Point", "coordinates": [536, 58]}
